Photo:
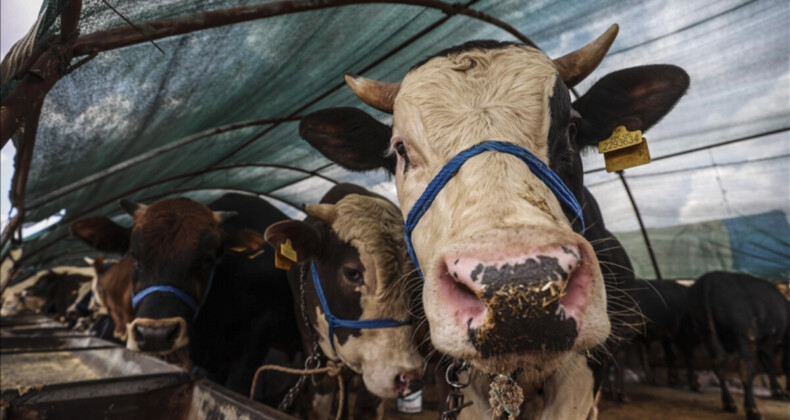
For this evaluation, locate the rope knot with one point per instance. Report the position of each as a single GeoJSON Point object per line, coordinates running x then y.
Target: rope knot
{"type": "Point", "coordinates": [505, 397]}
{"type": "Point", "coordinates": [333, 368]}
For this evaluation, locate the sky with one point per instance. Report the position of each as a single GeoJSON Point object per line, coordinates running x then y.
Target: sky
{"type": "Point", "coordinates": [16, 18]}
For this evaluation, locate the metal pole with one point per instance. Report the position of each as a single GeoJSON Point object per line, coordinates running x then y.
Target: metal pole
{"type": "Point", "coordinates": [641, 225]}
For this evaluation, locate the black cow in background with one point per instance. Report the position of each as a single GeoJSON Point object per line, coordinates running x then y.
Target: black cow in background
{"type": "Point", "coordinates": [740, 313]}
{"type": "Point", "coordinates": [665, 307]}
{"type": "Point", "coordinates": [205, 284]}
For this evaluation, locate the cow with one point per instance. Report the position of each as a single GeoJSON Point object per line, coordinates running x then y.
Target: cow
{"type": "Point", "coordinates": [112, 292]}
{"type": "Point", "coordinates": [354, 238]}
{"type": "Point", "coordinates": [743, 314]}
{"type": "Point", "coordinates": [665, 306]}
{"type": "Point", "coordinates": [52, 293]}
{"type": "Point", "coordinates": [203, 283]}
{"type": "Point", "coordinates": [484, 148]}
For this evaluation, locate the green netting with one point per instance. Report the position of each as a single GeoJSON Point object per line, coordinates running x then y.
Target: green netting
{"type": "Point", "coordinates": [129, 102]}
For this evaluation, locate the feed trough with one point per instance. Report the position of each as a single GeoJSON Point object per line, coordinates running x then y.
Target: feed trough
{"type": "Point", "coordinates": [50, 375]}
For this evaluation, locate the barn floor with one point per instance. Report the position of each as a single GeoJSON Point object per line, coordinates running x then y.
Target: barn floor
{"type": "Point", "coordinates": [647, 403]}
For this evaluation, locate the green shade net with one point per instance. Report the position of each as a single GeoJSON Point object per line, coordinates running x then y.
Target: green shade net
{"type": "Point", "coordinates": [130, 102]}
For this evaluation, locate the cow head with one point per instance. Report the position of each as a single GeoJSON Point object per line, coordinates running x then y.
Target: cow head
{"type": "Point", "coordinates": [357, 246]}
{"type": "Point", "coordinates": [508, 283]}
{"type": "Point", "coordinates": [173, 244]}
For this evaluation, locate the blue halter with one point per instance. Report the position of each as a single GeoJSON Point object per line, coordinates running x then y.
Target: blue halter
{"type": "Point", "coordinates": [551, 179]}
{"type": "Point", "coordinates": [180, 294]}
{"type": "Point", "coordinates": [335, 322]}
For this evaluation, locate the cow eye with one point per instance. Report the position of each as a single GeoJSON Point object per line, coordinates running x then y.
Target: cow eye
{"type": "Point", "coordinates": [354, 276]}
{"type": "Point", "coordinates": [572, 130]}
{"type": "Point", "coordinates": [400, 149]}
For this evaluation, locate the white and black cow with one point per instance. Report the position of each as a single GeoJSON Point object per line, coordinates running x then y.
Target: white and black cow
{"type": "Point", "coordinates": [485, 151]}
{"type": "Point", "coordinates": [351, 252]}
{"type": "Point", "coordinates": [198, 279]}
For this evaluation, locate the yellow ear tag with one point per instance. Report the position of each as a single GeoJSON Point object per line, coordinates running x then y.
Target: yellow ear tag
{"type": "Point", "coordinates": [238, 249]}
{"type": "Point", "coordinates": [624, 149]}
{"type": "Point", "coordinates": [281, 263]}
{"type": "Point", "coordinates": [287, 250]}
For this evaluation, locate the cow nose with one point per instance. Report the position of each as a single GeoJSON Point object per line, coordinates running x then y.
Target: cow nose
{"type": "Point", "coordinates": [158, 338]}
{"type": "Point", "coordinates": [514, 303]}
{"type": "Point", "coordinates": [407, 383]}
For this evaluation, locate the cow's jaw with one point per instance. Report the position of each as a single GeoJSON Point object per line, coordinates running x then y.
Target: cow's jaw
{"type": "Point", "coordinates": [382, 356]}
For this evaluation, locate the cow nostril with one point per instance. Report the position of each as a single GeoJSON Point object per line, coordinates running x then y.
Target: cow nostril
{"type": "Point", "coordinates": [462, 300]}
{"type": "Point", "coordinates": [407, 384]}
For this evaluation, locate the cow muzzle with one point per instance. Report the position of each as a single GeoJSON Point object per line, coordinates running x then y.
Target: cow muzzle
{"type": "Point", "coordinates": [160, 336]}
{"type": "Point", "coordinates": [408, 383]}
{"type": "Point", "coordinates": [515, 304]}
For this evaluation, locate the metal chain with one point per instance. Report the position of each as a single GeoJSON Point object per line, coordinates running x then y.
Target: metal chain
{"type": "Point", "coordinates": [314, 360]}
{"type": "Point", "coordinates": [455, 399]}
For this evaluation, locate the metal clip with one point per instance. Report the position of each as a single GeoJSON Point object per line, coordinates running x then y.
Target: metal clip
{"type": "Point", "coordinates": [455, 400]}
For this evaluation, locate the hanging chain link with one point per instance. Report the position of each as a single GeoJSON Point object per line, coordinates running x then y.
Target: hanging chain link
{"type": "Point", "coordinates": [455, 399]}
{"type": "Point", "coordinates": [314, 360]}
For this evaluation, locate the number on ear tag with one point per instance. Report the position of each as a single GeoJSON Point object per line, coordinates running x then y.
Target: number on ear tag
{"type": "Point", "coordinates": [624, 149]}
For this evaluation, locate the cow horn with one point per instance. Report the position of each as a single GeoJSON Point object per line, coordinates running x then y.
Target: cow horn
{"type": "Point", "coordinates": [379, 95]}
{"type": "Point", "coordinates": [223, 216]}
{"type": "Point", "coordinates": [326, 213]}
{"type": "Point", "coordinates": [131, 207]}
{"type": "Point", "coordinates": [575, 66]}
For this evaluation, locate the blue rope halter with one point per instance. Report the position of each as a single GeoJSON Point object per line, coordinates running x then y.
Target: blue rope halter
{"type": "Point", "coordinates": [180, 294]}
{"type": "Point", "coordinates": [335, 322]}
{"type": "Point", "coordinates": [551, 179]}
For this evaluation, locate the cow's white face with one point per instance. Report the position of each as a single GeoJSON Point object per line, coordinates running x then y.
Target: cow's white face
{"type": "Point", "coordinates": [507, 281]}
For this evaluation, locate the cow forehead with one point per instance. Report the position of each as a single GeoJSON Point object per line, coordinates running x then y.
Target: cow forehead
{"type": "Point", "coordinates": [479, 94]}
{"type": "Point", "coordinates": [173, 225]}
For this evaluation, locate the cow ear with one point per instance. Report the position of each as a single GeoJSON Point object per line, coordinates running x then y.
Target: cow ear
{"type": "Point", "coordinates": [349, 137]}
{"type": "Point", "coordinates": [245, 240]}
{"type": "Point", "coordinates": [304, 239]}
{"type": "Point", "coordinates": [102, 233]}
{"type": "Point", "coordinates": [636, 98]}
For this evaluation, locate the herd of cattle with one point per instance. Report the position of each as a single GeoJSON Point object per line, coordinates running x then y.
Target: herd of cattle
{"type": "Point", "coordinates": [503, 261]}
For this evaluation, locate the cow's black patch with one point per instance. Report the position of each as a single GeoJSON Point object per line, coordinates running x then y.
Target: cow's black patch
{"type": "Point", "coordinates": [482, 44]}
{"type": "Point", "coordinates": [524, 314]}
{"type": "Point", "coordinates": [564, 158]}
{"type": "Point", "coordinates": [535, 269]}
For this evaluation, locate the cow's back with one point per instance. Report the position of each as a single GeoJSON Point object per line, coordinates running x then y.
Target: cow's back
{"type": "Point", "coordinates": [734, 304]}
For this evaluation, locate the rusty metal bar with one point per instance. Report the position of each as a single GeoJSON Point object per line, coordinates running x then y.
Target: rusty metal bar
{"type": "Point", "coordinates": [42, 75]}
{"type": "Point", "coordinates": [710, 146]}
{"type": "Point", "coordinates": [236, 189]}
{"type": "Point", "coordinates": [163, 28]}
{"type": "Point", "coordinates": [27, 255]}
{"type": "Point", "coordinates": [19, 109]}
{"type": "Point", "coordinates": [641, 225]}
{"type": "Point", "coordinates": [150, 155]}
{"type": "Point", "coordinates": [23, 159]}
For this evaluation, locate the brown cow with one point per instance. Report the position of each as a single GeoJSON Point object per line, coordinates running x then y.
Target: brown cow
{"type": "Point", "coordinates": [112, 290]}
{"type": "Point", "coordinates": [197, 281]}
